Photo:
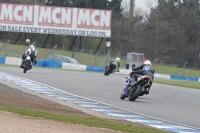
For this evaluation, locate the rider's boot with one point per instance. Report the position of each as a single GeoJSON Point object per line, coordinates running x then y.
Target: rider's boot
{"type": "Point", "coordinates": [147, 91]}
{"type": "Point", "coordinates": [31, 65]}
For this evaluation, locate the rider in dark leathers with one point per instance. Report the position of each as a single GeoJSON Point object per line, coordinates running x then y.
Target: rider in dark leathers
{"type": "Point", "coordinates": [142, 70]}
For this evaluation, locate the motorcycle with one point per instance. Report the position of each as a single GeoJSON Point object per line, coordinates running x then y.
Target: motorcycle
{"type": "Point", "coordinates": [134, 89]}
{"type": "Point", "coordinates": [110, 68]}
{"type": "Point", "coordinates": [26, 64]}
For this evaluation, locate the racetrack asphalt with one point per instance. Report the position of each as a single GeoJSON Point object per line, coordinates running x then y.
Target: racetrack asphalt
{"type": "Point", "coordinates": [175, 104]}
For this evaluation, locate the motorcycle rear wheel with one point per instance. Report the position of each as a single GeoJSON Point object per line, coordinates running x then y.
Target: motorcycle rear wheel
{"type": "Point", "coordinates": [136, 94]}
{"type": "Point", "coordinates": [25, 68]}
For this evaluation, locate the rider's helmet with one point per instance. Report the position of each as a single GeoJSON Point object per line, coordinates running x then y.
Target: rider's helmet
{"type": "Point", "coordinates": [147, 62]}
{"type": "Point", "coordinates": [117, 59]}
{"type": "Point", "coordinates": [32, 47]}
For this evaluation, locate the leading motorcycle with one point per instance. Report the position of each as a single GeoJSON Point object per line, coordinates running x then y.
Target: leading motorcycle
{"type": "Point", "coordinates": [26, 64]}
{"type": "Point", "coordinates": [135, 88]}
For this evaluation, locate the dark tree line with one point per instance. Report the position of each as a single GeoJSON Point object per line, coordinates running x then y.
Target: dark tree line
{"type": "Point", "coordinates": [170, 32]}
{"type": "Point", "coordinates": [176, 28]}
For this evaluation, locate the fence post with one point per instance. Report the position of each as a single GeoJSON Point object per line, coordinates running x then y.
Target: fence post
{"type": "Point", "coordinates": [5, 45]}
{"type": "Point", "coordinates": [52, 51]}
{"type": "Point", "coordinates": [96, 57]}
{"type": "Point", "coordinates": [184, 67]}
{"type": "Point", "coordinates": [105, 58]}
{"type": "Point", "coordinates": [79, 53]}
{"type": "Point", "coordinates": [155, 63]}
{"type": "Point", "coordinates": [107, 50]}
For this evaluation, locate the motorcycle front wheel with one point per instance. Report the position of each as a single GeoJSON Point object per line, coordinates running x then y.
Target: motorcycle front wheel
{"type": "Point", "coordinates": [122, 97]}
{"type": "Point", "coordinates": [27, 63]}
{"type": "Point", "coordinates": [107, 72]}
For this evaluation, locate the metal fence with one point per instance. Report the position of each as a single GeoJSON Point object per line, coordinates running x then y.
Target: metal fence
{"type": "Point", "coordinates": [84, 56]}
{"type": "Point", "coordinates": [89, 57]}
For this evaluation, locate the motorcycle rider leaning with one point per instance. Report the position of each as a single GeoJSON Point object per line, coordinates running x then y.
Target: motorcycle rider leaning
{"type": "Point", "coordinates": [115, 63]}
{"type": "Point", "coordinates": [32, 52]}
{"type": "Point", "coordinates": [142, 70]}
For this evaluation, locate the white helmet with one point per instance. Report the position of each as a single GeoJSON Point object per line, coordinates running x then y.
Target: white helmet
{"type": "Point", "coordinates": [147, 62]}
{"type": "Point", "coordinates": [117, 59]}
{"type": "Point", "coordinates": [32, 47]}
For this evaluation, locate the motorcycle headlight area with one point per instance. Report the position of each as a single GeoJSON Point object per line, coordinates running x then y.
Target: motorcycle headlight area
{"type": "Point", "coordinates": [28, 57]}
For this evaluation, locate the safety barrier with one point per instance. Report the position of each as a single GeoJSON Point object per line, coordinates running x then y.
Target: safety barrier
{"type": "Point", "coordinates": [53, 64]}
{"type": "Point", "coordinates": [40, 63]}
{"type": "Point", "coordinates": [184, 78]}
{"type": "Point", "coordinates": [96, 69]}
{"type": "Point", "coordinates": [2, 60]}
{"type": "Point", "coordinates": [69, 66]}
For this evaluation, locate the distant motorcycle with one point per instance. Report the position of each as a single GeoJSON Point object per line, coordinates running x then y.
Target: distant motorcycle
{"type": "Point", "coordinates": [134, 89]}
{"type": "Point", "coordinates": [110, 68]}
{"type": "Point", "coordinates": [26, 64]}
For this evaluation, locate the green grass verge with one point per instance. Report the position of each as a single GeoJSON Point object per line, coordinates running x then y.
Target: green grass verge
{"type": "Point", "coordinates": [177, 71]}
{"type": "Point", "coordinates": [88, 121]}
{"type": "Point", "coordinates": [188, 84]}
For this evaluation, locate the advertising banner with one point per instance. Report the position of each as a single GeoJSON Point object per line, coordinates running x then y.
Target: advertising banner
{"type": "Point", "coordinates": [55, 20]}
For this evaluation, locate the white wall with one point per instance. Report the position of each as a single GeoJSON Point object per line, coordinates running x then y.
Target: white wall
{"type": "Point", "coordinates": [73, 66]}
{"type": "Point", "coordinates": [13, 61]}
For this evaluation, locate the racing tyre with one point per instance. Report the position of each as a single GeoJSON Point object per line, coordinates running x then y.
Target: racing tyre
{"type": "Point", "coordinates": [107, 72]}
{"type": "Point", "coordinates": [26, 66]}
{"type": "Point", "coordinates": [136, 94]}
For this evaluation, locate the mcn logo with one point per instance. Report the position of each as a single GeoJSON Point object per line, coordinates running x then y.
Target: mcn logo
{"type": "Point", "coordinates": [55, 20]}
{"type": "Point", "coordinates": [16, 14]}
{"type": "Point", "coordinates": [100, 19]}
{"type": "Point", "coordinates": [54, 16]}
